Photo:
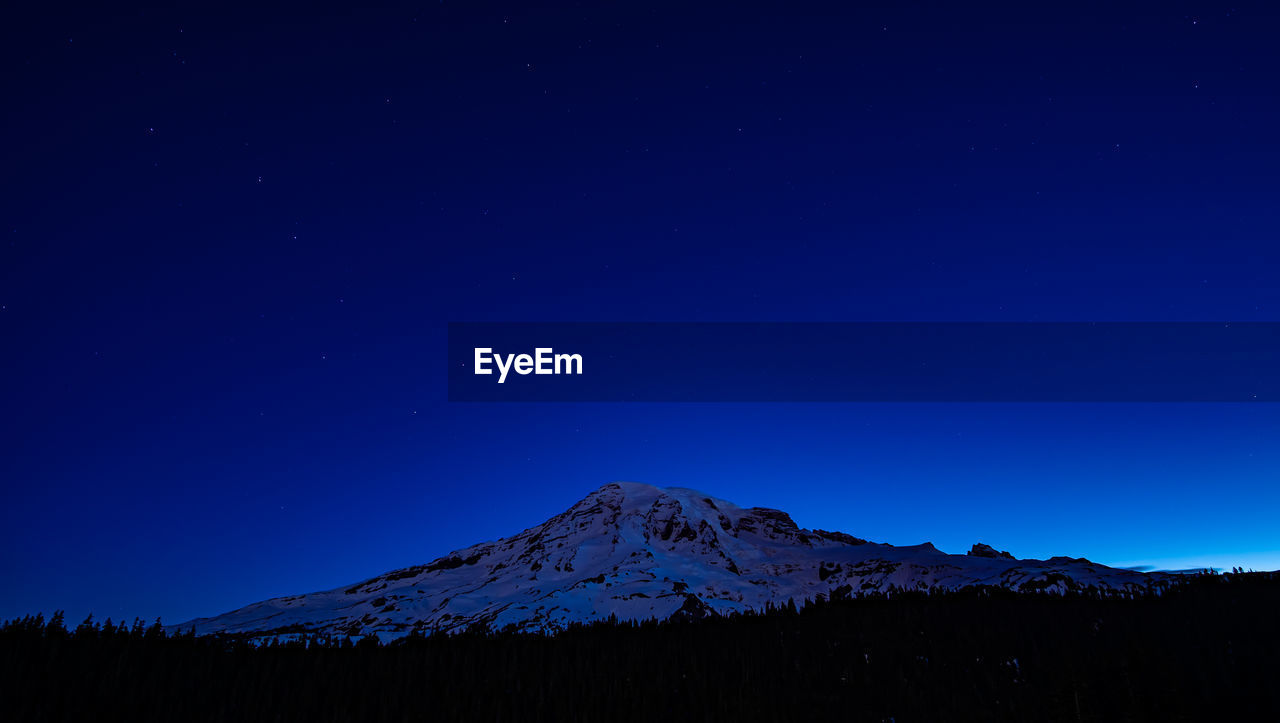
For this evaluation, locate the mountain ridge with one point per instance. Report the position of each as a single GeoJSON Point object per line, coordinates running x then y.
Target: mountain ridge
{"type": "Point", "coordinates": [636, 551]}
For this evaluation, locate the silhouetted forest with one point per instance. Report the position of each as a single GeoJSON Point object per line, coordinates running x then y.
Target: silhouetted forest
{"type": "Point", "coordinates": [1206, 649]}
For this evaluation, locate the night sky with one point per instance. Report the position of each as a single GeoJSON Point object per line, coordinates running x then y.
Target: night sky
{"type": "Point", "coordinates": [233, 242]}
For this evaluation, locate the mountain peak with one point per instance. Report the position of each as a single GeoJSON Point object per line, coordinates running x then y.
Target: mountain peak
{"type": "Point", "coordinates": [636, 495]}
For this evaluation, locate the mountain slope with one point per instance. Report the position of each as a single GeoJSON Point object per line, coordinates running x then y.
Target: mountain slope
{"type": "Point", "coordinates": [638, 551]}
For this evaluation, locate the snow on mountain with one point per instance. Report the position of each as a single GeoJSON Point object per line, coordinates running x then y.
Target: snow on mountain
{"type": "Point", "coordinates": [637, 552]}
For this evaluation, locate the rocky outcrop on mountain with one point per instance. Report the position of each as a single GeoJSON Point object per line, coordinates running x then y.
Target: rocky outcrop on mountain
{"type": "Point", "coordinates": [983, 550]}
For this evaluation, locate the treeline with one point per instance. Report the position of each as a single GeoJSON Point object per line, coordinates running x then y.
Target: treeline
{"type": "Point", "coordinates": [1205, 649]}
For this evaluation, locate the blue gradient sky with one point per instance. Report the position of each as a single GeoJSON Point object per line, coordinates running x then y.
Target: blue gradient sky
{"type": "Point", "coordinates": [232, 247]}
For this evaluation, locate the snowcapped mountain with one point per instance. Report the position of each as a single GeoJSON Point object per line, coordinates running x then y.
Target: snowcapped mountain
{"type": "Point", "coordinates": [638, 551]}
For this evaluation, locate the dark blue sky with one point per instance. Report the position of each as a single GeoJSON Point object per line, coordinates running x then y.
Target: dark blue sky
{"type": "Point", "coordinates": [232, 243]}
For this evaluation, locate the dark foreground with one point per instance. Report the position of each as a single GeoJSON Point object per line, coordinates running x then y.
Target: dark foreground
{"type": "Point", "coordinates": [1206, 650]}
